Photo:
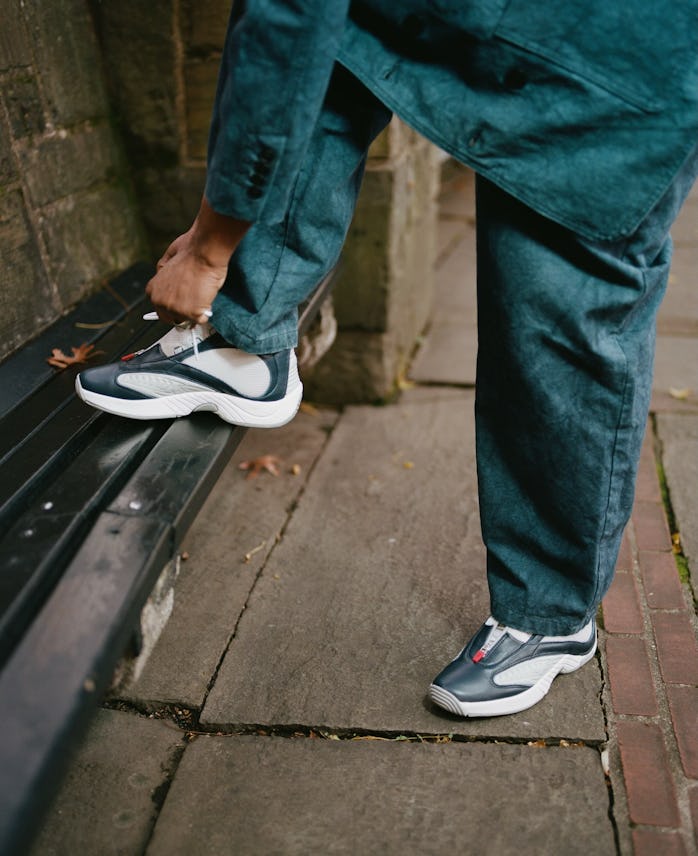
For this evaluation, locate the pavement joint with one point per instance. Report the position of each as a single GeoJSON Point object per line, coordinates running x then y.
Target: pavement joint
{"type": "Point", "coordinates": [279, 537]}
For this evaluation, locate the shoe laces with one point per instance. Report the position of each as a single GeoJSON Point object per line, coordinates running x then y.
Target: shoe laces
{"type": "Point", "coordinates": [184, 335]}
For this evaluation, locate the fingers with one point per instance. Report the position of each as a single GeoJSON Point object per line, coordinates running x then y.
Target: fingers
{"type": "Point", "coordinates": [204, 317]}
{"type": "Point", "coordinates": [166, 256]}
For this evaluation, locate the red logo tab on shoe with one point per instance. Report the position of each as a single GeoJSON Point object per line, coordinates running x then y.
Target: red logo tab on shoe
{"type": "Point", "coordinates": [127, 357]}
{"type": "Point", "coordinates": [479, 656]}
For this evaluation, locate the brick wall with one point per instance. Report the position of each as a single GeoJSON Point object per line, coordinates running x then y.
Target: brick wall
{"type": "Point", "coordinates": [67, 218]}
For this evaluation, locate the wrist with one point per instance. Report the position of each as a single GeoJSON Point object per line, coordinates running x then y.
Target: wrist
{"type": "Point", "coordinates": [215, 236]}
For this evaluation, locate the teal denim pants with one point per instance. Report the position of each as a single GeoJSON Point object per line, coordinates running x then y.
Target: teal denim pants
{"type": "Point", "coordinates": [566, 343]}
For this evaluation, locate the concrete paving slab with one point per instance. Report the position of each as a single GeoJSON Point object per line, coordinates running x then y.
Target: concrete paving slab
{"type": "Point", "coordinates": [240, 516]}
{"type": "Point", "coordinates": [448, 356]}
{"type": "Point", "coordinates": [679, 438]}
{"type": "Point", "coordinates": [300, 796]}
{"type": "Point", "coordinates": [108, 801]}
{"type": "Point", "coordinates": [376, 584]}
{"type": "Point", "coordinates": [685, 229]}
{"type": "Point", "coordinates": [679, 309]}
{"type": "Point", "coordinates": [676, 364]}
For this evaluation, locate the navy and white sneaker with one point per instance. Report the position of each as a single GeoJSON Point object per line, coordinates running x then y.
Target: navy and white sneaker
{"type": "Point", "coordinates": [502, 670]}
{"type": "Point", "coordinates": [191, 369]}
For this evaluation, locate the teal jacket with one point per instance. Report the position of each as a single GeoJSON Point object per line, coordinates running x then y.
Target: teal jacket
{"type": "Point", "coordinates": [583, 109]}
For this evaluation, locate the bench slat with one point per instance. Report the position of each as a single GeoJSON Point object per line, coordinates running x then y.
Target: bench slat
{"type": "Point", "coordinates": [53, 425]}
{"type": "Point", "coordinates": [28, 367]}
{"type": "Point", "coordinates": [41, 541]}
{"type": "Point", "coordinates": [60, 669]}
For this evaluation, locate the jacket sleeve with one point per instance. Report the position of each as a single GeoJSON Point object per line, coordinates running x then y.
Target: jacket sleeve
{"type": "Point", "coordinates": [277, 61]}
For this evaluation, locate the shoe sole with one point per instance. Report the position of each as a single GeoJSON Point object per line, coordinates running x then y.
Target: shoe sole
{"type": "Point", "coordinates": [238, 411]}
{"type": "Point", "coordinates": [513, 704]}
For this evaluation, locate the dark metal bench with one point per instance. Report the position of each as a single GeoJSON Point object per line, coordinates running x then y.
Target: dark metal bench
{"type": "Point", "coordinates": [92, 508]}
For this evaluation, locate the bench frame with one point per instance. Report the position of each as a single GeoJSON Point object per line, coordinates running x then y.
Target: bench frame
{"type": "Point", "coordinates": [61, 660]}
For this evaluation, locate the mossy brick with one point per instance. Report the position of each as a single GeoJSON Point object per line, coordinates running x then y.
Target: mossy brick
{"type": "Point", "coordinates": [141, 64]}
{"type": "Point", "coordinates": [200, 77]}
{"type": "Point", "coordinates": [66, 163]}
{"type": "Point", "coordinates": [65, 43]}
{"type": "Point", "coordinates": [26, 300]}
{"type": "Point", "coordinates": [15, 46]}
{"type": "Point", "coordinates": [204, 24]}
{"type": "Point", "coordinates": [88, 237]}
{"type": "Point", "coordinates": [20, 93]}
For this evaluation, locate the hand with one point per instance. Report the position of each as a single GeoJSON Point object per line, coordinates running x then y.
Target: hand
{"type": "Point", "coordinates": [194, 267]}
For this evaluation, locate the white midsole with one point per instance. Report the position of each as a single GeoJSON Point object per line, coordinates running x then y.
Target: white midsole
{"type": "Point", "coordinates": [231, 408]}
{"type": "Point", "coordinates": [515, 703]}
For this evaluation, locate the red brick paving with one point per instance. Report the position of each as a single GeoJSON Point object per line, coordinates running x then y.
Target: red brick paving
{"type": "Point", "coordinates": [621, 608]}
{"type": "Point", "coordinates": [646, 669]}
{"type": "Point", "coordinates": [651, 528]}
{"type": "Point", "coordinates": [651, 842]}
{"type": "Point", "coordinates": [660, 577]}
{"type": "Point", "coordinates": [683, 703]}
{"type": "Point", "coordinates": [648, 779]}
{"type": "Point", "coordinates": [625, 555]}
{"type": "Point", "coordinates": [647, 485]}
{"type": "Point", "coordinates": [676, 647]}
{"type": "Point", "coordinates": [632, 689]}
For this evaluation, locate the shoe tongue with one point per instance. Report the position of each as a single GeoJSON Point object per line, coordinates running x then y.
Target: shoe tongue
{"type": "Point", "coordinates": [497, 631]}
{"type": "Point", "coordinates": [182, 337]}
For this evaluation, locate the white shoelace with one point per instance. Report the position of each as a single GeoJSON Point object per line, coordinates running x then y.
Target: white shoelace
{"type": "Point", "coordinates": [179, 334]}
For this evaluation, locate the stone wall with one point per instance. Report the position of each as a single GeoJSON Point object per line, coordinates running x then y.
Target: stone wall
{"type": "Point", "coordinates": [67, 217]}
{"type": "Point", "coordinates": [162, 60]}
{"type": "Point", "coordinates": [383, 298]}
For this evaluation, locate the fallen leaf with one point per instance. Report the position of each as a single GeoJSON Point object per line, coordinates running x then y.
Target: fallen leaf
{"type": "Point", "coordinates": [270, 463]}
{"type": "Point", "coordinates": [310, 409]}
{"type": "Point", "coordinates": [680, 394]}
{"type": "Point", "coordinates": [296, 470]}
{"type": "Point", "coordinates": [408, 465]}
{"type": "Point", "coordinates": [81, 355]}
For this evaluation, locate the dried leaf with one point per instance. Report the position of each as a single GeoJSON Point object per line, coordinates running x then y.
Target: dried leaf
{"type": "Point", "coordinates": [81, 355]}
{"type": "Point", "coordinates": [680, 394]}
{"type": "Point", "coordinates": [296, 470]}
{"type": "Point", "coordinates": [408, 465]}
{"type": "Point", "coordinates": [270, 463]}
{"type": "Point", "coordinates": [310, 409]}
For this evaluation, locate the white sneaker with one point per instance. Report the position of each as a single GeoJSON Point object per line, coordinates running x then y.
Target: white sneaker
{"type": "Point", "coordinates": [191, 369]}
